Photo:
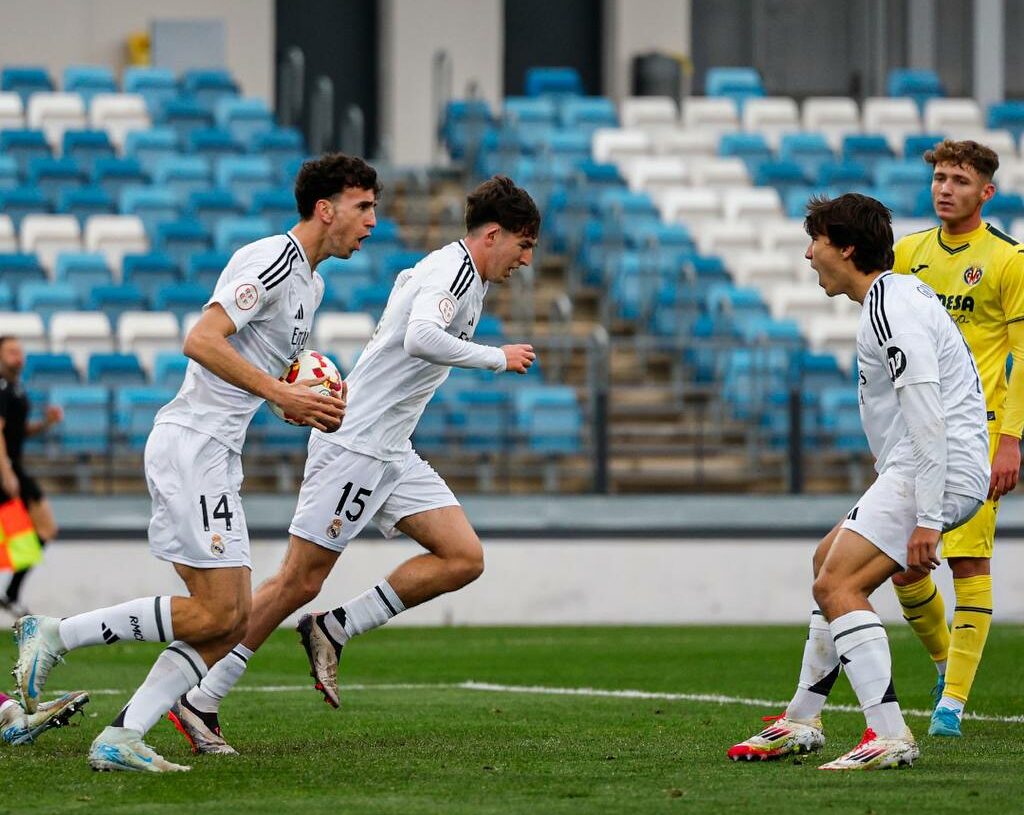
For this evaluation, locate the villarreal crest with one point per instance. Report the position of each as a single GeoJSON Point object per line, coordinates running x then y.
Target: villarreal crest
{"type": "Point", "coordinates": [972, 275]}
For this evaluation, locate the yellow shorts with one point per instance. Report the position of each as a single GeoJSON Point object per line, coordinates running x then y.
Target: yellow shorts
{"type": "Point", "coordinates": [976, 538]}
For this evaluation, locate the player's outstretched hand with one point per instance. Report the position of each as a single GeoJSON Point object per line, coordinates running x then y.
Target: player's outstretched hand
{"type": "Point", "coordinates": [518, 358]}
{"type": "Point", "coordinates": [1005, 467]}
{"type": "Point", "coordinates": [311, 408]}
{"type": "Point", "coordinates": [9, 484]}
{"type": "Point", "coordinates": [922, 549]}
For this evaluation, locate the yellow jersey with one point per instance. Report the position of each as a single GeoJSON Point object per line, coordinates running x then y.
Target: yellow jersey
{"type": "Point", "coordinates": [979, 277]}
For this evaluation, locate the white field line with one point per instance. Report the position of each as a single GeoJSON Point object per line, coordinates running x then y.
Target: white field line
{"type": "Point", "coordinates": [543, 690]}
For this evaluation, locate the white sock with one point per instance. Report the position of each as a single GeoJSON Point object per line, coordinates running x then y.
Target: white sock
{"type": "Point", "coordinates": [223, 676]}
{"type": "Point", "coordinates": [369, 610]}
{"type": "Point", "coordinates": [950, 703]}
{"type": "Point", "coordinates": [7, 707]}
{"type": "Point", "coordinates": [146, 619]}
{"type": "Point", "coordinates": [940, 666]}
{"type": "Point", "coordinates": [178, 668]}
{"type": "Point", "coordinates": [863, 649]}
{"type": "Point", "coordinates": [818, 671]}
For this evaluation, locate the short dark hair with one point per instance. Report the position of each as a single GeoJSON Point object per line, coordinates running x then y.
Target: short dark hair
{"type": "Point", "coordinates": [329, 175]}
{"type": "Point", "coordinates": [854, 220]}
{"type": "Point", "coordinates": [498, 200]}
{"type": "Point", "coordinates": [6, 338]}
{"type": "Point", "coordinates": [983, 160]}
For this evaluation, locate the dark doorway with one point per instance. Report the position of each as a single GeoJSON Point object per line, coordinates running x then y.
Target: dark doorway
{"type": "Point", "coordinates": [542, 33]}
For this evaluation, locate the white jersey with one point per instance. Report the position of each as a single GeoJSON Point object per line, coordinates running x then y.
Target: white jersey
{"type": "Point", "coordinates": [271, 295]}
{"type": "Point", "coordinates": [388, 388]}
{"type": "Point", "coordinates": [905, 337]}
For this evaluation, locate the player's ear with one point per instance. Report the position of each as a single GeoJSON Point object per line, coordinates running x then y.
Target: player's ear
{"type": "Point", "coordinates": [492, 233]}
{"type": "Point", "coordinates": [988, 191]}
{"type": "Point", "coordinates": [325, 209]}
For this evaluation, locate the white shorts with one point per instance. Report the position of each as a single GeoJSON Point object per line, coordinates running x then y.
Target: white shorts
{"type": "Point", "coordinates": [343, 490]}
{"type": "Point", "coordinates": [197, 513]}
{"type": "Point", "coordinates": [887, 514]}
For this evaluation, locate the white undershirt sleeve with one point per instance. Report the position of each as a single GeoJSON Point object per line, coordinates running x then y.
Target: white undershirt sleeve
{"type": "Point", "coordinates": [427, 341]}
{"type": "Point", "coordinates": [921, 406]}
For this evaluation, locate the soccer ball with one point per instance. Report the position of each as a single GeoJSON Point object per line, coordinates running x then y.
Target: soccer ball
{"type": "Point", "coordinates": [310, 365]}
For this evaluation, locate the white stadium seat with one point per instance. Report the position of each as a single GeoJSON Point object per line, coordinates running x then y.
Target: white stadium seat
{"type": "Point", "coordinates": [764, 269]}
{"type": "Point", "coordinates": [12, 112]}
{"type": "Point", "coordinates": [728, 240]}
{"type": "Point", "coordinates": [655, 174]}
{"type": "Point", "coordinates": [53, 113]}
{"type": "Point", "coordinates": [115, 236]}
{"type": "Point", "coordinates": [686, 144]}
{"type": "Point", "coordinates": [49, 235]}
{"type": "Point", "coordinates": [711, 113]}
{"type": "Point", "coordinates": [801, 301]}
{"type": "Point", "coordinates": [772, 116]}
{"type": "Point", "coordinates": [893, 117]}
{"type": "Point", "coordinates": [755, 204]}
{"type": "Point", "coordinates": [342, 336]}
{"type": "Point", "coordinates": [117, 113]}
{"type": "Point", "coordinates": [649, 112]}
{"type": "Point", "coordinates": [611, 145]}
{"type": "Point", "coordinates": [720, 173]}
{"type": "Point", "coordinates": [81, 333]}
{"type": "Point", "coordinates": [8, 237]}
{"type": "Point", "coordinates": [836, 334]}
{"type": "Point", "coordinates": [26, 327]}
{"type": "Point", "coordinates": [147, 333]}
{"type": "Point", "coordinates": [905, 226]}
{"type": "Point", "coordinates": [952, 116]}
{"type": "Point", "coordinates": [1001, 141]}
{"type": "Point", "coordinates": [691, 205]}
{"type": "Point", "coordinates": [785, 236]}
{"type": "Point", "coordinates": [832, 116]}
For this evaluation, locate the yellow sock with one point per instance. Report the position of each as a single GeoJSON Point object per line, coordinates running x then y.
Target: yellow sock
{"type": "Point", "coordinates": [972, 619]}
{"type": "Point", "coordinates": [924, 609]}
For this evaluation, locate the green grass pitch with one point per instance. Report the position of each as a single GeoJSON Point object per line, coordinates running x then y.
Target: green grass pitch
{"type": "Point", "coordinates": [420, 743]}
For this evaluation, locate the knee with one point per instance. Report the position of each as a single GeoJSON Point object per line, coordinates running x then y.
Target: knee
{"type": "Point", "coordinates": [468, 566]}
{"type": "Point", "coordinates": [824, 591]}
{"type": "Point", "coordinates": [227, 625]}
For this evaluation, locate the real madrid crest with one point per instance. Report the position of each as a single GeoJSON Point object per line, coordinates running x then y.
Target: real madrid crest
{"type": "Point", "coordinates": [972, 275]}
{"type": "Point", "coordinates": [216, 545]}
{"type": "Point", "coordinates": [334, 529]}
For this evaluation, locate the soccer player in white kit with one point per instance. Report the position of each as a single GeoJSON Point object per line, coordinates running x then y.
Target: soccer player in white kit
{"type": "Point", "coordinates": [369, 470]}
{"type": "Point", "coordinates": [254, 325]}
{"type": "Point", "coordinates": [923, 412]}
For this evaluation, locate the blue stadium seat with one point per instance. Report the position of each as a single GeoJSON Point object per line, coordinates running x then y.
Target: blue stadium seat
{"type": "Point", "coordinates": [902, 173]}
{"type": "Point", "coordinates": [86, 426]}
{"type": "Point", "coordinates": [48, 370]}
{"type": "Point", "coordinates": [370, 299]}
{"type": "Point", "coordinates": [587, 113]}
{"type": "Point", "coordinates": [549, 419]}
{"type": "Point", "coordinates": [151, 272]}
{"type": "Point", "coordinates": [156, 85]}
{"type": "Point", "coordinates": [755, 329]}
{"type": "Point", "coordinates": [738, 84]}
{"type": "Point", "coordinates": [919, 84]}
{"type": "Point", "coordinates": [153, 205]}
{"type": "Point", "coordinates": [750, 376]}
{"type": "Point", "coordinates": [915, 144]}
{"type": "Point", "coordinates": [208, 86]}
{"type": "Point", "coordinates": [183, 116]}
{"type": "Point", "coordinates": [244, 119]}
{"type": "Point", "coordinates": [739, 302]}
{"type": "Point", "coordinates": [282, 146]}
{"type": "Point", "coordinates": [392, 263]}
{"type": "Point", "coordinates": [45, 299]}
{"type": "Point", "coordinates": [84, 202]}
{"type": "Point", "coordinates": [867, 148]}
{"type": "Point", "coordinates": [25, 80]}
{"type": "Point", "coordinates": [51, 176]}
{"type": "Point", "coordinates": [213, 143]}
{"type": "Point", "coordinates": [245, 175]}
{"type": "Point", "coordinates": [89, 80]}
{"type": "Point", "coordinates": [784, 175]}
{"type": "Point", "coordinates": [23, 146]}
{"type": "Point", "coordinates": [485, 422]}
{"type": "Point", "coordinates": [279, 207]}
{"type": "Point", "coordinates": [231, 234]}
{"type": "Point", "coordinates": [1004, 205]}
{"type": "Point", "coordinates": [10, 175]}
{"type": "Point", "coordinates": [529, 112]}
{"type": "Point", "coordinates": [85, 146]}
{"type": "Point", "coordinates": [271, 434]}
{"type": "Point", "coordinates": [553, 81]}
{"type": "Point", "coordinates": [1007, 116]}
{"type": "Point", "coordinates": [809, 150]}
{"type": "Point", "coordinates": [149, 147]}
{"type": "Point", "coordinates": [181, 299]}
{"type": "Point", "coordinates": [819, 371]}
{"type": "Point", "coordinates": [433, 430]}
{"type": "Point", "coordinates": [116, 300]}
{"type": "Point", "coordinates": [204, 268]}
{"type": "Point", "coordinates": [850, 173]}
{"type": "Point", "coordinates": [839, 412]}
{"type": "Point", "coordinates": [115, 370]}
{"type": "Point", "coordinates": [463, 127]}
{"type": "Point", "coordinates": [343, 275]}
{"type": "Point", "coordinates": [169, 369]}
{"type": "Point", "coordinates": [753, 148]}
{"type": "Point", "coordinates": [183, 174]}
{"type": "Point", "coordinates": [210, 207]}
{"type": "Point", "coordinates": [6, 297]}
{"type": "Point", "coordinates": [18, 269]}
{"type": "Point", "coordinates": [83, 271]}
{"type": "Point", "coordinates": [181, 239]}
{"type": "Point", "coordinates": [117, 174]}
{"type": "Point", "coordinates": [134, 411]}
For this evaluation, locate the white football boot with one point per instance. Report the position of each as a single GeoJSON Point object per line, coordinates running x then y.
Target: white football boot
{"type": "Point", "coordinates": [39, 649]}
{"type": "Point", "coordinates": [782, 737]}
{"type": "Point", "coordinates": [17, 727]}
{"type": "Point", "coordinates": [874, 753]}
{"type": "Point", "coordinates": [119, 748]}
{"type": "Point", "coordinates": [323, 656]}
{"type": "Point", "coordinates": [200, 729]}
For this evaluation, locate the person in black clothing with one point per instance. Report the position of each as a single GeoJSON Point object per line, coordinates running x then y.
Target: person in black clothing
{"type": "Point", "coordinates": [14, 481]}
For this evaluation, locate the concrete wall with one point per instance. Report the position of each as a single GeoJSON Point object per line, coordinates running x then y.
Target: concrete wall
{"type": "Point", "coordinates": [541, 582]}
{"type": "Point", "coordinates": [637, 27]}
{"type": "Point", "coordinates": [58, 33]}
{"type": "Point", "coordinates": [411, 32]}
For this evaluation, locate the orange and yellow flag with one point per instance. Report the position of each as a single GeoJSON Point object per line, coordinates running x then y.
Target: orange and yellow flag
{"type": "Point", "coordinates": [19, 543]}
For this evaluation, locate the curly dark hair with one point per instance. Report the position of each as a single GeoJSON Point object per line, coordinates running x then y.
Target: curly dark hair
{"type": "Point", "coordinates": [498, 200]}
{"type": "Point", "coordinates": [854, 220]}
{"type": "Point", "coordinates": [329, 175]}
{"type": "Point", "coordinates": [982, 159]}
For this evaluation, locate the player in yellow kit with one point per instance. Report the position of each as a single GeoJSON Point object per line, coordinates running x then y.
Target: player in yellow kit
{"type": "Point", "coordinates": [978, 273]}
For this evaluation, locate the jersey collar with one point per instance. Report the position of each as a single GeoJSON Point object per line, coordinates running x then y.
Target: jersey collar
{"type": "Point", "coordinates": [472, 263]}
{"type": "Point", "coordinates": [298, 245]}
{"type": "Point", "coordinates": [954, 244]}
